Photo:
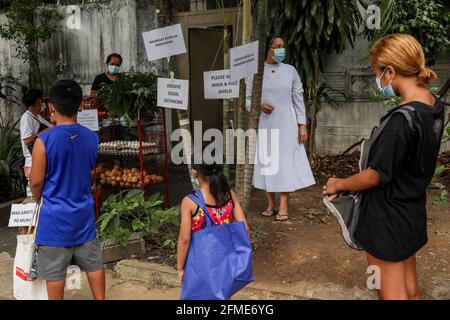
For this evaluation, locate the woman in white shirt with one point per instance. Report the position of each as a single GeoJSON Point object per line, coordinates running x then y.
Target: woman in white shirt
{"type": "Point", "coordinates": [281, 164]}
{"type": "Point", "coordinates": [31, 123]}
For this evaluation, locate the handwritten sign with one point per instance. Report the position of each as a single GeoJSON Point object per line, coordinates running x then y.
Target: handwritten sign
{"type": "Point", "coordinates": [243, 61]}
{"type": "Point", "coordinates": [164, 42]}
{"type": "Point", "coordinates": [173, 93]}
{"type": "Point", "coordinates": [88, 119]}
{"type": "Point", "coordinates": [217, 85]}
{"type": "Point", "coordinates": [21, 215]}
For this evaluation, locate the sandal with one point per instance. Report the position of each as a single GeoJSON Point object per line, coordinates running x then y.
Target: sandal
{"type": "Point", "coordinates": [282, 217]}
{"type": "Point", "coordinates": [268, 213]}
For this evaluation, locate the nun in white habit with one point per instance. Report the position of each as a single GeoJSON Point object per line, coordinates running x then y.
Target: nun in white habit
{"type": "Point", "coordinates": [281, 163]}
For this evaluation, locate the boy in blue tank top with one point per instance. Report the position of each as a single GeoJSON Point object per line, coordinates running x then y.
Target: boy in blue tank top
{"type": "Point", "coordinates": [61, 178]}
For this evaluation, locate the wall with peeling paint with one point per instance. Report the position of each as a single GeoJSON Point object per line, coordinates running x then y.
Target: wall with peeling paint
{"type": "Point", "coordinates": [106, 27]}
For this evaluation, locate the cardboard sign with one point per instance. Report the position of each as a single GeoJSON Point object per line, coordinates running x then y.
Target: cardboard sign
{"type": "Point", "coordinates": [173, 93]}
{"type": "Point", "coordinates": [164, 42]}
{"type": "Point", "coordinates": [217, 85]}
{"type": "Point", "coordinates": [21, 215]}
{"type": "Point", "coordinates": [243, 61]}
{"type": "Point", "coordinates": [88, 119]}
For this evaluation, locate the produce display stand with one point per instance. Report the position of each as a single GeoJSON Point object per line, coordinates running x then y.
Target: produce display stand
{"type": "Point", "coordinates": [132, 157]}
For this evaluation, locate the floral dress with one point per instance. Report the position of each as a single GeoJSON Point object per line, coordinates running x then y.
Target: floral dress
{"type": "Point", "coordinates": [219, 215]}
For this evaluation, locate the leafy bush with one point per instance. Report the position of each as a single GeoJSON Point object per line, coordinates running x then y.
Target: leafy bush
{"type": "Point", "coordinates": [129, 212]}
{"type": "Point", "coordinates": [11, 163]}
{"type": "Point", "coordinates": [130, 93]}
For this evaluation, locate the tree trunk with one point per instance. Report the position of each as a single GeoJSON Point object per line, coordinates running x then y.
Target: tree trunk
{"type": "Point", "coordinates": [242, 119]}
{"type": "Point", "coordinates": [261, 28]}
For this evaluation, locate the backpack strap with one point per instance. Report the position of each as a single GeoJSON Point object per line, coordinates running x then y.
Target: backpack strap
{"type": "Point", "coordinates": [198, 199]}
{"type": "Point", "coordinates": [405, 111]}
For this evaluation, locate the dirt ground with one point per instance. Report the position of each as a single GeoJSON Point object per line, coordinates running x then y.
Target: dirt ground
{"type": "Point", "coordinates": [309, 249]}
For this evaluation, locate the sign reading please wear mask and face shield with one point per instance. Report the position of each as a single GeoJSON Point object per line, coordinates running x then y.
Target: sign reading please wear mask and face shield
{"type": "Point", "coordinates": [217, 85]}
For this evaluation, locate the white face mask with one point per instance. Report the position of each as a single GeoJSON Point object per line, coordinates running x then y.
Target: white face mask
{"type": "Point", "coordinates": [43, 107]}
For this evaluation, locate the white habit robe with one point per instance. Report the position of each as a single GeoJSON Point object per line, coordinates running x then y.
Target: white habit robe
{"type": "Point", "coordinates": [290, 170]}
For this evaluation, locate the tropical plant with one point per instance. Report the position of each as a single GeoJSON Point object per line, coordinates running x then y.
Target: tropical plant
{"type": "Point", "coordinates": [313, 28]}
{"type": "Point", "coordinates": [11, 162]}
{"type": "Point", "coordinates": [129, 212]}
{"type": "Point", "coordinates": [427, 20]}
{"type": "Point", "coordinates": [29, 24]}
{"type": "Point", "coordinates": [131, 93]}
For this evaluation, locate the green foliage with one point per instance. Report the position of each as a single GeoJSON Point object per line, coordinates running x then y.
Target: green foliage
{"type": "Point", "coordinates": [11, 162]}
{"type": "Point", "coordinates": [129, 212]}
{"type": "Point", "coordinates": [312, 28]}
{"type": "Point", "coordinates": [427, 20]}
{"type": "Point", "coordinates": [130, 93]}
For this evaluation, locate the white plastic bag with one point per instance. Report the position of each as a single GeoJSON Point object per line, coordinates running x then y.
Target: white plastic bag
{"type": "Point", "coordinates": [24, 287]}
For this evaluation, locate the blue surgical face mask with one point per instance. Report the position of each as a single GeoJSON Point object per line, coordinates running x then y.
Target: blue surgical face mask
{"type": "Point", "coordinates": [279, 54]}
{"type": "Point", "coordinates": [387, 91]}
{"type": "Point", "coordinates": [113, 69]}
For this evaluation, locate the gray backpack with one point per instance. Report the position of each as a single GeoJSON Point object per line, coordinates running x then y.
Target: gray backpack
{"type": "Point", "coordinates": [346, 207]}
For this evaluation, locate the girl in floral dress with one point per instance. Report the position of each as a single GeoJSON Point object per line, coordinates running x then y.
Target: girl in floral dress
{"type": "Point", "coordinates": [221, 202]}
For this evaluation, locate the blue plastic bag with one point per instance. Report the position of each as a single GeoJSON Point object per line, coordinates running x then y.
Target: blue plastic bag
{"type": "Point", "coordinates": [219, 262]}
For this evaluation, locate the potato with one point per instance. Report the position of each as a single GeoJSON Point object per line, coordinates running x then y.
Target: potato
{"type": "Point", "coordinates": [103, 182]}
{"type": "Point", "coordinates": [146, 182]}
{"type": "Point", "coordinates": [139, 185]}
{"type": "Point", "coordinates": [119, 179]}
{"type": "Point", "coordinates": [160, 179]}
{"type": "Point", "coordinates": [108, 179]}
{"type": "Point", "coordinates": [145, 172]}
{"type": "Point", "coordinates": [108, 173]}
{"type": "Point", "coordinates": [113, 183]}
{"type": "Point", "coordinates": [130, 180]}
{"type": "Point", "coordinates": [134, 170]}
{"type": "Point", "coordinates": [124, 177]}
{"type": "Point", "coordinates": [116, 167]}
{"type": "Point", "coordinates": [127, 184]}
{"type": "Point", "coordinates": [103, 176]}
{"type": "Point", "coordinates": [134, 180]}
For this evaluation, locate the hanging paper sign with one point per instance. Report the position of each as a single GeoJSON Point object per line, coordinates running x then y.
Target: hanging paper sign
{"type": "Point", "coordinates": [217, 85]}
{"type": "Point", "coordinates": [164, 42]}
{"type": "Point", "coordinates": [173, 93]}
{"type": "Point", "coordinates": [21, 215]}
{"type": "Point", "coordinates": [88, 119]}
{"type": "Point", "coordinates": [243, 61]}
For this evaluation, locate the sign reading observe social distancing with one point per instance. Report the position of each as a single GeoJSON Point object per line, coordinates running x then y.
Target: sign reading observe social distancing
{"type": "Point", "coordinates": [243, 61]}
{"type": "Point", "coordinates": [173, 93]}
{"type": "Point", "coordinates": [217, 85]}
{"type": "Point", "coordinates": [164, 42]}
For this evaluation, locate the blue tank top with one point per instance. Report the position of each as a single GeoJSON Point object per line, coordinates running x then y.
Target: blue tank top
{"type": "Point", "coordinates": [67, 215]}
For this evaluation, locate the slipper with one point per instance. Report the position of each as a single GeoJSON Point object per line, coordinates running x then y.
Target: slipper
{"type": "Point", "coordinates": [282, 217]}
{"type": "Point", "coordinates": [268, 213]}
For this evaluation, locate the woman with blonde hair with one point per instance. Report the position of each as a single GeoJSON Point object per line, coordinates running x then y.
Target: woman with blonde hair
{"type": "Point", "coordinates": [392, 223]}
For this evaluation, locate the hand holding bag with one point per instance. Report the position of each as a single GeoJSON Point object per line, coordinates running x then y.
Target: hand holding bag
{"type": "Point", "coordinates": [25, 287]}
{"type": "Point", "coordinates": [219, 261]}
